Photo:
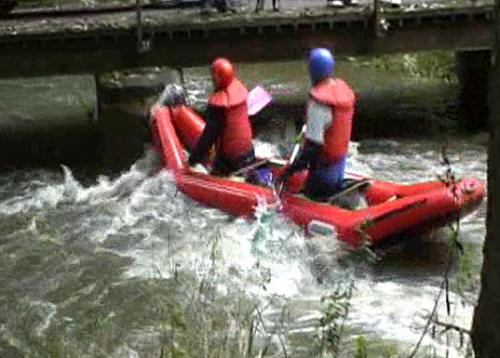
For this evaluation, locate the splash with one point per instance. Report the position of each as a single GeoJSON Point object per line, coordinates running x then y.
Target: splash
{"type": "Point", "coordinates": [138, 228]}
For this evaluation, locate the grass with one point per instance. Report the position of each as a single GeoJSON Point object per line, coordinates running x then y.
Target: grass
{"type": "Point", "coordinates": [438, 65]}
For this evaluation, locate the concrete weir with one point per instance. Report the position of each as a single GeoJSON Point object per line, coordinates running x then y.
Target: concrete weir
{"type": "Point", "coordinates": [122, 102]}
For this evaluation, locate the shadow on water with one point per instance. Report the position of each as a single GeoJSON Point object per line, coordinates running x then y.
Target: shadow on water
{"type": "Point", "coordinates": [418, 257]}
{"type": "Point", "coordinates": [426, 254]}
{"type": "Point", "coordinates": [45, 123]}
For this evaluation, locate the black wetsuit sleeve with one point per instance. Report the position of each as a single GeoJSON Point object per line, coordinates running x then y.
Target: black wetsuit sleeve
{"type": "Point", "coordinates": [305, 158]}
{"type": "Point", "coordinates": [214, 123]}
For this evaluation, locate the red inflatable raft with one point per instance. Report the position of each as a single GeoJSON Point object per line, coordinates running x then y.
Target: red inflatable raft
{"type": "Point", "coordinates": [393, 209]}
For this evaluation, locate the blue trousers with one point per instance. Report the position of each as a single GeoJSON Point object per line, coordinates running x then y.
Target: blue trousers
{"type": "Point", "coordinates": [325, 179]}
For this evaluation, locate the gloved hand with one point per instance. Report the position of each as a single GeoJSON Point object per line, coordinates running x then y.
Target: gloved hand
{"type": "Point", "coordinates": [172, 95]}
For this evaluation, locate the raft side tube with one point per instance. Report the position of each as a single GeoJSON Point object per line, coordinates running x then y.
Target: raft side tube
{"type": "Point", "coordinates": [188, 125]}
{"type": "Point", "coordinates": [240, 199]}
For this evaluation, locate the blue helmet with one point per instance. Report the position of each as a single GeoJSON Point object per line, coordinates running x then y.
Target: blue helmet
{"type": "Point", "coordinates": [321, 64]}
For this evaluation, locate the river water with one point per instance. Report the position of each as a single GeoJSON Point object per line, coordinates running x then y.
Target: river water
{"type": "Point", "coordinates": [126, 266]}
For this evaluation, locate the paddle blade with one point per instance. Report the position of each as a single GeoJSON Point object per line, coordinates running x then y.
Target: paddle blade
{"type": "Point", "coordinates": [258, 98]}
{"type": "Point", "coordinates": [296, 147]}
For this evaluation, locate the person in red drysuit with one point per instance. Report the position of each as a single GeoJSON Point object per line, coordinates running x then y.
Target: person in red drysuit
{"type": "Point", "coordinates": [227, 123]}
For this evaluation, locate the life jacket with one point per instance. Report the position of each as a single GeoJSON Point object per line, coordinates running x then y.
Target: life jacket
{"type": "Point", "coordinates": [236, 138]}
{"type": "Point", "coordinates": [336, 94]}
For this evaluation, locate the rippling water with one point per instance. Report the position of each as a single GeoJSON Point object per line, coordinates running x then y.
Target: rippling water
{"type": "Point", "coordinates": [114, 267]}
{"type": "Point", "coordinates": [127, 266]}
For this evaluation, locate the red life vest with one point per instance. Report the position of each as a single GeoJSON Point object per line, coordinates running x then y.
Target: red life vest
{"type": "Point", "coordinates": [336, 94]}
{"type": "Point", "coordinates": [236, 138]}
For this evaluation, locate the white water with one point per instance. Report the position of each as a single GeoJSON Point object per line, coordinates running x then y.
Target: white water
{"type": "Point", "coordinates": [67, 246]}
{"type": "Point", "coordinates": [140, 216]}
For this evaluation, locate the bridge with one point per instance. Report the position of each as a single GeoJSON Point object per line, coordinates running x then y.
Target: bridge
{"type": "Point", "coordinates": [98, 43]}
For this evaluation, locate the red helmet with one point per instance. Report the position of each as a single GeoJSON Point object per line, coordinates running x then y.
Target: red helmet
{"type": "Point", "coordinates": [222, 73]}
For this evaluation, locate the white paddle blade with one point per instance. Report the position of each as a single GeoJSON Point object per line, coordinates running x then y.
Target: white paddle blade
{"type": "Point", "coordinates": [258, 98]}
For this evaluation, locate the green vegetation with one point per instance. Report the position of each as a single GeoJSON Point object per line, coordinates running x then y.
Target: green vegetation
{"type": "Point", "coordinates": [331, 325]}
{"type": "Point", "coordinates": [365, 348]}
{"type": "Point", "coordinates": [467, 278]}
{"type": "Point", "coordinates": [432, 66]}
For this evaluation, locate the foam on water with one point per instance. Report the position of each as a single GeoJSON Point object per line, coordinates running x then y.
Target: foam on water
{"type": "Point", "coordinates": [394, 311]}
{"type": "Point", "coordinates": [268, 248]}
{"type": "Point", "coordinates": [141, 216]}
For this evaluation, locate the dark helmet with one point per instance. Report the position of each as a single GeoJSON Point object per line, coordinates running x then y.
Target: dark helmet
{"type": "Point", "coordinates": [321, 64]}
{"type": "Point", "coordinates": [222, 73]}
{"type": "Point", "coordinates": [173, 95]}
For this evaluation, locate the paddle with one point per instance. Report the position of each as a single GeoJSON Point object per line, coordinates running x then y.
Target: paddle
{"type": "Point", "coordinates": [257, 99]}
{"type": "Point", "coordinates": [252, 166]}
{"type": "Point", "coordinates": [174, 94]}
{"type": "Point", "coordinates": [293, 156]}
{"type": "Point", "coordinates": [355, 185]}
{"type": "Point", "coordinates": [296, 148]}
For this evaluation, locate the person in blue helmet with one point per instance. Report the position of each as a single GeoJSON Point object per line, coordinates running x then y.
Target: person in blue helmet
{"type": "Point", "coordinates": [329, 115]}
